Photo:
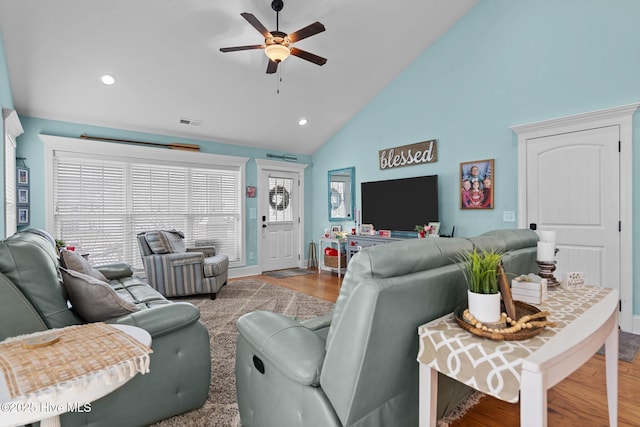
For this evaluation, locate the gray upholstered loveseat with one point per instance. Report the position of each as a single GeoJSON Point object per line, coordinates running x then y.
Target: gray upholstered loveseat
{"type": "Point", "coordinates": [357, 367]}
{"type": "Point", "coordinates": [32, 298]}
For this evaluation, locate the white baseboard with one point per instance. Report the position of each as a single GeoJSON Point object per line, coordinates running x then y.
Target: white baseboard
{"type": "Point", "coordinates": [636, 325]}
{"type": "Point", "coordinates": [253, 270]}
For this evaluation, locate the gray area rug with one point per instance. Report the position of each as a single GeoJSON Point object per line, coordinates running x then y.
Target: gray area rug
{"type": "Point", "coordinates": [628, 346]}
{"type": "Point", "coordinates": [219, 317]}
{"type": "Point", "coordinates": [291, 272]}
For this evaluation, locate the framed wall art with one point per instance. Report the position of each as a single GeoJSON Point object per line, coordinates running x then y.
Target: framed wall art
{"type": "Point", "coordinates": [23, 196]}
{"type": "Point", "coordinates": [23, 216]}
{"type": "Point", "coordinates": [477, 179]}
{"type": "Point", "coordinates": [23, 175]}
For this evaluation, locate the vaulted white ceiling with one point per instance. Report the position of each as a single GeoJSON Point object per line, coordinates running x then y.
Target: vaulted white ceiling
{"type": "Point", "coordinates": [165, 56]}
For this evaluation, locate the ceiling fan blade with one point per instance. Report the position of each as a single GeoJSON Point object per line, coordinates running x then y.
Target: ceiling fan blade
{"type": "Point", "coordinates": [256, 24]}
{"type": "Point", "coordinates": [308, 56]}
{"type": "Point", "coordinates": [307, 31]}
{"type": "Point", "coordinates": [272, 67]}
{"type": "Point", "coordinates": [237, 48]}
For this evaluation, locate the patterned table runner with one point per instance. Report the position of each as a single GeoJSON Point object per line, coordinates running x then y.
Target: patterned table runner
{"type": "Point", "coordinates": [80, 351]}
{"type": "Point", "coordinates": [494, 367]}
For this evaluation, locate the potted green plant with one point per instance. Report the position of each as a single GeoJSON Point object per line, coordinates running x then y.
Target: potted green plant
{"type": "Point", "coordinates": [481, 269]}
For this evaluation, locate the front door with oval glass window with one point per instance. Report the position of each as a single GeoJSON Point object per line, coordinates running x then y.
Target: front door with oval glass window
{"type": "Point", "coordinates": [280, 220]}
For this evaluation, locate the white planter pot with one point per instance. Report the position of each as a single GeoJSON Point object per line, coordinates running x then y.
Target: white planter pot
{"type": "Point", "coordinates": [484, 307]}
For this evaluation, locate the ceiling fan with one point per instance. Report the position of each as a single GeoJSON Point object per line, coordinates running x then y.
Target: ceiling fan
{"type": "Point", "coordinates": [277, 45]}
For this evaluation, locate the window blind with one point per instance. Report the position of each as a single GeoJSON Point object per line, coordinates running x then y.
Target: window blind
{"type": "Point", "coordinates": [10, 209]}
{"type": "Point", "coordinates": [102, 204]}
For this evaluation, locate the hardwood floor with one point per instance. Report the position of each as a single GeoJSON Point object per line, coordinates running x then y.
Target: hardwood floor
{"type": "Point", "coordinates": [322, 285]}
{"type": "Point", "coordinates": [579, 400]}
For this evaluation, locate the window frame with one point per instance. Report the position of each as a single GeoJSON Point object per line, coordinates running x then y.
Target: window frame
{"type": "Point", "coordinates": [11, 129]}
{"type": "Point", "coordinates": [95, 149]}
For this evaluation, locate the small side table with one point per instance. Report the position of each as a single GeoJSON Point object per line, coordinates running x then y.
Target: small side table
{"type": "Point", "coordinates": [338, 244]}
{"type": "Point", "coordinates": [47, 407]}
{"type": "Point", "coordinates": [525, 370]}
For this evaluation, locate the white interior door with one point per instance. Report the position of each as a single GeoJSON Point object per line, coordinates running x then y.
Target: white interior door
{"type": "Point", "coordinates": [279, 220]}
{"type": "Point", "coordinates": [573, 188]}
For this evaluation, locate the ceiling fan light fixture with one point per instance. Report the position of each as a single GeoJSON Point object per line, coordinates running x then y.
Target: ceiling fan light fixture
{"type": "Point", "coordinates": [277, 52]}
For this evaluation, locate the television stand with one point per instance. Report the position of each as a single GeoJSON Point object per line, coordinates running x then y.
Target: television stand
{"type": "Point", "coordinates": [355, 243]}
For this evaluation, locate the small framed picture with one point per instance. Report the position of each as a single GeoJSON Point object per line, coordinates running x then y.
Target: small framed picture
{"type": "Point", "coordinates": [366, 229]}
{"type": "Point", "coordinates": [23, 175]}
{"type": "Point", "coordinates": [477, 179]}
{"type": "Point", "coordinates": [251, 191]}
{"type": "Point", "coordinates": [335, 228]}
{"type": "Point", "coordinates": [23, 196]}
{"type": "Point", "coordinates": [435, 228]}
{"type": "Point", "coordinates": [23, 216]}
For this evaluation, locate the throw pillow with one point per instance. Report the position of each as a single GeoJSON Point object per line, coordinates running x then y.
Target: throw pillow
{"type": "Point", "coordinates": [164, 242]}
{"type": "Point", "coordinates": [156, 242]}
{"type": "Point", "coordinates": [173, 241]}
{"type": "Point", "coordinates": [93, 299]}
{"type": "Point", "coordinates": [72, 261]}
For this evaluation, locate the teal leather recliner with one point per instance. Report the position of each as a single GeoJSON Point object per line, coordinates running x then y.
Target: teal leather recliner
{"type": "Point", "coordinates": [32, 299]}
{"type": "Point", "coordinates": [357, 366]}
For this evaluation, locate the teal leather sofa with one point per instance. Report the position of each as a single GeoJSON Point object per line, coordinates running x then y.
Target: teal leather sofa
{"type": "Point", "coordinates": [32, 298]}
{"type": "Point", "coordinates": [357, 366]}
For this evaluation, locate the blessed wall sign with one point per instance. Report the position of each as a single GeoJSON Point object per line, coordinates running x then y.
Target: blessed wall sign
{"type": "Point", "coordinates": [408, 155]}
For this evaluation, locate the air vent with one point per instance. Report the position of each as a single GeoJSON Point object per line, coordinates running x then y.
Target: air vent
{"type": "Point", "coordinates": [190, 122]}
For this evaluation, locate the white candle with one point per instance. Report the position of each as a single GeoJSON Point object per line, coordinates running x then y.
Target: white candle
{"type": "Point", "coordinates": [546, 251]}
{"type": "Point", "coordinates": [548, 236]}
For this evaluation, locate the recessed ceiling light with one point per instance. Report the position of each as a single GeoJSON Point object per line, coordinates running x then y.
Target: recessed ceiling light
{"type": "Point", "coordinates": [303, 122]}
{"type": "Point", "coordinates": [108, 79]}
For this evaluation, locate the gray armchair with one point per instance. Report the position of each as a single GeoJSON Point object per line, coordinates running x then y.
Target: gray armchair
{"type": "Point", "coordinates": [174, 270]}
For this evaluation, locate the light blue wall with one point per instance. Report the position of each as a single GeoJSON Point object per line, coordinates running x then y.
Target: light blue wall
{"type": "Point", "coordinates": [31, 147]}
{"type": "Point", "coordinates": [6, 98]}
{"type": "Point", "coordinates": [505, 63]}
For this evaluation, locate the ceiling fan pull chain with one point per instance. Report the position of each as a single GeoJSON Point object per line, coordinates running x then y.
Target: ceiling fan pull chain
{"type": "Point", "coordinates": [279, 80]}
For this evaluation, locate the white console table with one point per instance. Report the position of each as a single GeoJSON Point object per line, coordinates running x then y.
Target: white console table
{"type": "Point", "coordinates": [586, 318]}
{"type": "Point", "coordinates": [357, 242]}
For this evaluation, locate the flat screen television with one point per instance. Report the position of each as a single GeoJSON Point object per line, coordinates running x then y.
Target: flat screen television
{"type": "Point", "coordinates": [400, 204]}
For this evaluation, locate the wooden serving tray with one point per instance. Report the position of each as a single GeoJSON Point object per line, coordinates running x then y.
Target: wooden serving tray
{"type": "Point", "coordinates": [522, 309]}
